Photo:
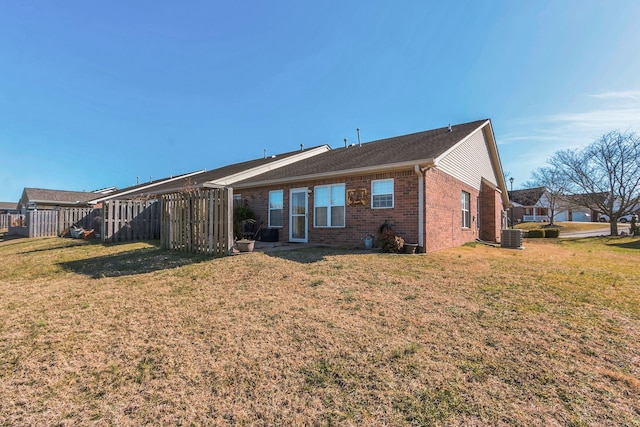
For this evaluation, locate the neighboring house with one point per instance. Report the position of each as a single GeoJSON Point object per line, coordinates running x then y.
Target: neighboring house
{"type": "Point", "coordinates": [572, 209]}
{"type": "Point", "coordinates": [44, 199]}
{"type": "Point", "coordinates": [529, 205]}
{"type": "Point", "coordinates": [224, 176]}
{"type": "Point", "coordinates": [533, 205]}
{"type": "Point", "coordinates": [439, 188]}
{"type": "Point", "coordinates": [8, 208]}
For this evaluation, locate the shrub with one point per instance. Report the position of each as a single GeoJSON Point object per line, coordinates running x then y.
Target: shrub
{"type": "Point", "coordinates": [634, 230]}
{"type": "Point", "coordinates": [536, 233]}
{"type": "Point", "coordinates": [552, 233]}
{"type": "Point", "coordinates": [389, 241]}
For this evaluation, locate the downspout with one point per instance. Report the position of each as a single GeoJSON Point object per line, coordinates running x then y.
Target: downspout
{"type": "Point", "coordinates": [420, 174]}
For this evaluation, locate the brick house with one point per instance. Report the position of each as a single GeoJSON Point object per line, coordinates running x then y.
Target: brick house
{"type": "Point", "coordinates": [529, 205]}
{"type": "Point", "coordinates": [438, 189]}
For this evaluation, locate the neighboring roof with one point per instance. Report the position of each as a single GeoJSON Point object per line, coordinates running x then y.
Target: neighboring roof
{"type": "Point", "coordinates": [105, 190]}
{"type": "Point", "coordinates": [8, 206]}
{"type": "Point", "coordinates": [391, 153]}
{"type": "Point", "coordinates": [585, 200]}
{"type": "Point", "coordinates": [139, 189]}
{"type": "Point", "coordinates": [527, 196]}
{"type": "Point", "coordinates": [222, 176]}
{"type": "Point", "coordinates": [42, 195]}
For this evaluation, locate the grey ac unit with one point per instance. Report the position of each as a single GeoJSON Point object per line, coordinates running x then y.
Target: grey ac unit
{"type": "Point", "coordinates": [511, 238]}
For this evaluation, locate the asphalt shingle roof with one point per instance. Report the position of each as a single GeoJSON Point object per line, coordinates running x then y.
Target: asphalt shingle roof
{"type": "Point", "coordinates": [62, 196]}
{"type": "Point", "coordinates": [407, 148]}
{"type": "Point", "coordinates": [527, 196]}
{"type": "Point", "coordinates": [8, 206]}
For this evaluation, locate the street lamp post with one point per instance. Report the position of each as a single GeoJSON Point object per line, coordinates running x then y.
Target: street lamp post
{"type": "Point", "coordinates": [511, 182]}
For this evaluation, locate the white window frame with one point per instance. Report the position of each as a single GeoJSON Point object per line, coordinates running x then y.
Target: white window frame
{"type": "Point", "coordinates": [466, 209]}
{"type": "Point", "coordinates": [329, 207]}
{"type": "Point", "coordinates": [281, 209]}
{"type": "Point", "coordinates": [374, 194]}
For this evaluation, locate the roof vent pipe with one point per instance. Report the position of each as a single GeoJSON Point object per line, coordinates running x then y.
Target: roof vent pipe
{"type": "Point", "coordinates": [449, 127]}
{"type": "Point", "coordinates": [301, 147]}
{"type": "Point", "coordinates": [345, 143]}
{"type": "Point", "coordinates": [358, 130]}
{"type": "Point", "coordinates": [265, 153]}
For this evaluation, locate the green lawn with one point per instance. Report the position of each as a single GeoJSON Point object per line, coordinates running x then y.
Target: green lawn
{"type": "Point", "coordinates": [129, 334]}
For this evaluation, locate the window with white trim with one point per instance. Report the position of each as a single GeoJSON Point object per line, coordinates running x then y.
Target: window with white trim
{"type": "Point", "coordinates": [382, 193]}
{"type": "Point", "coordinates": [329, 205]}
{"type": "Point", "coordinates": [466, 210]}
{"type": "Point", "coordinates": [276, 208]}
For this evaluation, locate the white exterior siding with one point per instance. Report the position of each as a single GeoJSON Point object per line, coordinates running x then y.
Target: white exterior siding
{"type": "Point", "coordinates": [576, 215]}
{"type": "Point", "coordinates": [469, 161]}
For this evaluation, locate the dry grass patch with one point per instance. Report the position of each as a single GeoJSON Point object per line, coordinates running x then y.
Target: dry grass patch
{"type": "Point", "coordinates": [130, 334]}
{"type": "Point", "coordinates": [564, 226]}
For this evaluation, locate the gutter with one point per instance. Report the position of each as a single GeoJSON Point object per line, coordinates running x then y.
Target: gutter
{"type": "Point", "coordinates": [420, 173]}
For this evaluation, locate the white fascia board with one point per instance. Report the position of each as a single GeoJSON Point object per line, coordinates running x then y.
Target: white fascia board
{"type": "Point", "coordinates": [425, 163]}
{"type": "Point", "coordinates": [497, 164]}
{"type": "Point", "coordinates": [258, 170]}
{"type": "Point", "coordinates": [144, 187]}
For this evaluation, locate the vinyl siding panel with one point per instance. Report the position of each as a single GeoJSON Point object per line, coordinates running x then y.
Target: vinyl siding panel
{"type": "Point", "coordinates": [469, 162]}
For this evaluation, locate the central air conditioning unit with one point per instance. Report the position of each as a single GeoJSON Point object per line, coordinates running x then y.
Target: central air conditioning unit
{"type": "Point", "coordinates": [511, 239]}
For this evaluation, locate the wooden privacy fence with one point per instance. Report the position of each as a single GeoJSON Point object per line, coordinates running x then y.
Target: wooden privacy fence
{"type": "Point", "coordinates": [116, 221]}
{"type": "Point", "coordinates": [87, 218]}
{"type": "Point", "coordinates": [199, 221]}
{"type": "Point", "coordinates": [38, 224]}
{"type": "Point", "coordinates": [50, 223]}
{"type": "Point", "coordinates": [5, 219]}
{"type": "Point", "coordinates": [127, 220]}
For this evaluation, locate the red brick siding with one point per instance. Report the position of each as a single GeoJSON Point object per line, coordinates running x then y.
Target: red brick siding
{"type": "Point", "coordinates": [360, 220]}
{"type": "Point", "coordinates": [490, 214]}
{"type": "Point", "coordinates": [442, 205]}
{"type": "Point", "coordinates": [443, 211]}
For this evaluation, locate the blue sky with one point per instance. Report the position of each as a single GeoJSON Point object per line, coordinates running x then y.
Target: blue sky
{"type": "Point", "coordinates": [97, 94]}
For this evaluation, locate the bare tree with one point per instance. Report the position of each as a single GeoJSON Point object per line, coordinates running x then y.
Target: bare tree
{"type": "Point", "coordinates": [556, 183]}
{"type": "Point", "coordinates": [604, 176]}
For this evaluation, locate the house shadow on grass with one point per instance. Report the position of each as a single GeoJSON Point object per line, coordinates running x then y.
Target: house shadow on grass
{"type": "Point", "coordinates": [309, 255]}
{"type": "Point", "coordinates": [634, 244]}
{"type": "Point", "coordinates": [128, 263]}
{"type": "Point", "coordinates": [63, 244]}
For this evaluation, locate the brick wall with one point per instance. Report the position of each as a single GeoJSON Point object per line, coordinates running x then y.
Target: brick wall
{"type": "Point", "coordinates": [490, 213]}
{"type": "Point", "coordinates": [360, 220]}
{"type": "Point", "coordinates": [443, 210]}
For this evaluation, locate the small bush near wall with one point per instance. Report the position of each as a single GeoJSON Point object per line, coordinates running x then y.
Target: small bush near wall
{"type": "Point", "coordinates": [390, 242]}
{"type": "Point", "coordinates": [552, 233]}
{"type": "Point", "coordinates": [536, 233]}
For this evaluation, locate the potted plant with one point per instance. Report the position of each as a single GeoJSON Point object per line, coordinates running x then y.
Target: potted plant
{"type": "Point", "coordinates": [245, 245]}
